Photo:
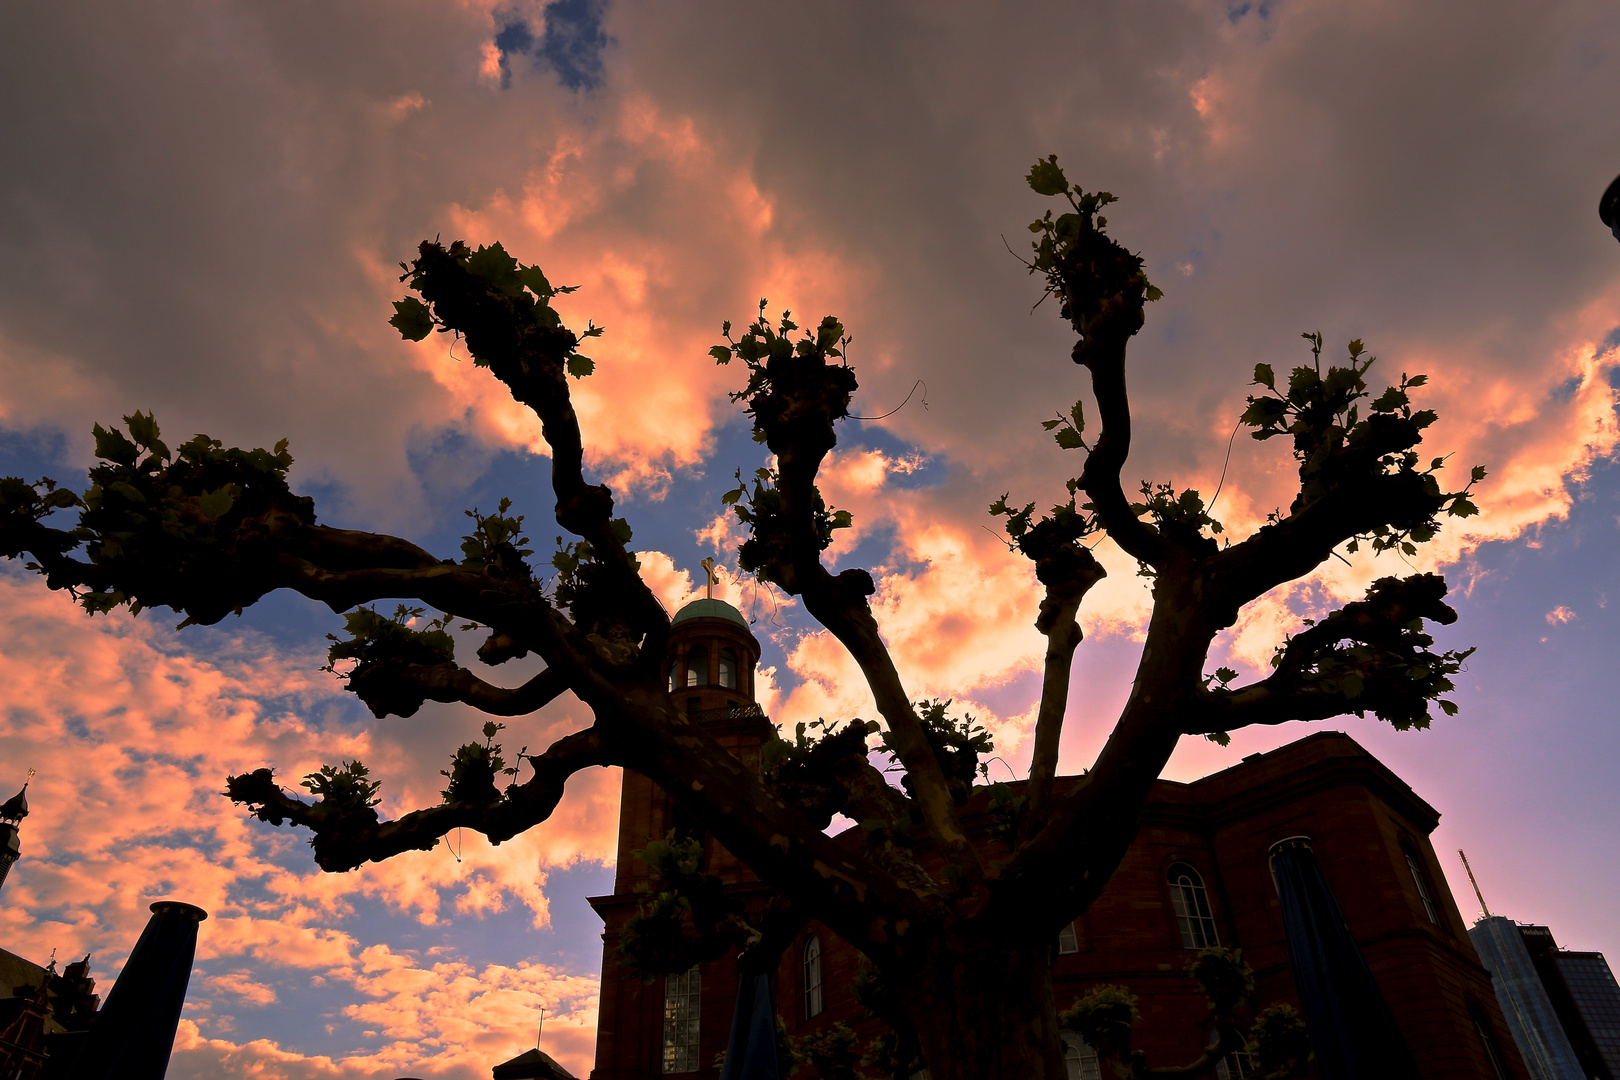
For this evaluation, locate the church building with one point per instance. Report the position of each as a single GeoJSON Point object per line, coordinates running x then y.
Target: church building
{"type": "Point", "coordinates": [1313, 859]}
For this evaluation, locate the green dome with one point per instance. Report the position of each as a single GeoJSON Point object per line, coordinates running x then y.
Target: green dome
{"type": "Point", "coordinates": [709, 609]}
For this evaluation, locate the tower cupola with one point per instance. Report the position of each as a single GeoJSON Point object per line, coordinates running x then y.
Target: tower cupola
{"type": "Point", "coordinates": [12, 811]}
{"type": "Point", "coordinates": [712, 655]}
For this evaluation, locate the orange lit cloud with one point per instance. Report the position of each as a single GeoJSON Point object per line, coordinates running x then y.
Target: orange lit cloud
{"type": "Point", "coordinates": [595, 212]}
{"type": "Point", "coordinates": [132, 735]}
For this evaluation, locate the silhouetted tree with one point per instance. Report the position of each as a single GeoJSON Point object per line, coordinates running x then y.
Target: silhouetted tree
{"type": "Point", "coordinates": [963, 942]}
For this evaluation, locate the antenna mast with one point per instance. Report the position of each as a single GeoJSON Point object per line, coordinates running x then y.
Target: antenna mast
{"type": "Point", "coordinates": [1474, 883]}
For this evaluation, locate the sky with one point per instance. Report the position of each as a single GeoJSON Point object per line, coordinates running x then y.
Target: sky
{"type": "Point", "coordinates": [202, 206]}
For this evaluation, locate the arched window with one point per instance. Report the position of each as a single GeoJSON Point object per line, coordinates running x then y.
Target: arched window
{"type": "Point", "coordinates": [728, 669]}
{"type": "Point", "coordinates": [1420, 878]}
{"type": "Point", "coordinates": [1235, 1066]}
{"type": "Point", "coordinates": [1068, 940]}
{"type": "Point", "coordinates": [813, 1000]}
{"type": "Point", "coordinates": [674, 674]}
{"type": "Point", "coordinates": [1079, 1060]}
{"type": "Point", "coordinates": [681, 997]}
{"type": "Point", "coordinates": [697, 666]}
{"type": "Point", "coordinates": [1191, 902]}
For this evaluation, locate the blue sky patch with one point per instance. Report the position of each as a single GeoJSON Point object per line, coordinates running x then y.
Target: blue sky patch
{"type": "Point", "coordinates": [570, 45]}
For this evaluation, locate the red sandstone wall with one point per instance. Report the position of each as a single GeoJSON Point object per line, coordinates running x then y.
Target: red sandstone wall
{"type": "Point", "coordinates": [1324, 786]}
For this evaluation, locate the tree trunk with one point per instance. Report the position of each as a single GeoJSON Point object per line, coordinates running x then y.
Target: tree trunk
{"type": "Point", "coordinates": [986, 1012]}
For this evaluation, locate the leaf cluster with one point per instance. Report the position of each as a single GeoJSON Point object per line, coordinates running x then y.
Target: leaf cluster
{"type": "Point", "coordinates": [496, 543]}
{"type": "Point", "coordinates": [1280, 1043]}
{"type": "Point", "coordinates": [684, 914]}
{"type": "Point", "coordinates": [23, 508]}
{"type": "Point", "coordinates": [1106, 1015]}
{"type": "Point", "coordinates": [762, 511]}
{"type": "Point", "coordinates": [1103, 1018]}
{"type": "Point", "coordinates": [833, 1053]}
{"type": "Point", "coordinates": [1343, 435]}
{"type": "Point", "coordinates": [380, 645]}
{"type": "Point", "coordinates": [160, 528]}
{"type": "Point", "coordinates": [810, 772]}
{"type": "Point", "coordinates": [775, 361]}
{"type": "Point", "coordinates": [1226, 980]}
{"type": "Point", "coordinates": [473, 770]}
{"type": "Point", "coordinates": [959, 745]}
{"type": "Point", "coordinates": [1375, 654]}
{"type": "Point", "coordinates": [526, 293]}
{"type": "Point", "coordinates": [344, 789]}
{"type": "Point", "coordinates": [1178, 516]}
{"type": "Point", "coordinates": [1098, 283]}
{"type": "Point", "coordinates": [588, 587]}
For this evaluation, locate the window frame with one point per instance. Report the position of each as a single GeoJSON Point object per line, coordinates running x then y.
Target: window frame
{"type": "Point", "coordinates": [728, 660]}
{"type": "Point", "coordinates": [1418, 867]}
{"type": "Point", "coordinates": [812, 977]}
{"type": "Point", "coordinates": [1195, 916]}
{"type": "Point", "coordinates": [1078, 1053]}
{"type": "Point", "coordinates": [682, 1022]}
{"type": "Point", "coordinates": [696, 666]}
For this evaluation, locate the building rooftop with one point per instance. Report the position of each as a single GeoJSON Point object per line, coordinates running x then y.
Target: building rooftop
{"type": "Point", "coordinates": [709, 609]}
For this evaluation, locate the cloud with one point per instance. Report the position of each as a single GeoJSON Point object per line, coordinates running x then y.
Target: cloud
{"type": "Point", "coordinates": [1560, 614]}
{"type": "Point", "coordinates": [132, 733]}
{"type": "Point", "coordinates": [205, 213]}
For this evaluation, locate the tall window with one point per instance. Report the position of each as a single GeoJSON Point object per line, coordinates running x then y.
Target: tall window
{"type": "Point", "coordinates": [728, 669]}
{"type": "Point", "coordinates": [1420, 878]}
{"type": "Point", "coordinates": [1068, 940]}
{"type": "Point", "coordinates": [812, 977]}
{"type": "Point", "coordinates": [697, 666]}
{"type": "Point", "coordinates": [674, 674]}
{"type": "Point", "coordinates": [1079, 1060]}
{"type": "Point", "coordinates": [1498, 1069]}
{"type": "Point", "coordinates": [1191, 902]}
{"type": "Point", "coordinates": [681, 993]}
{"type": "Point", "coordinates": [1234, 1066]}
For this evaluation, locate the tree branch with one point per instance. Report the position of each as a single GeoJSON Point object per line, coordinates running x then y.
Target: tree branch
{"type": "Point", "coordinates": [349, 836]}
{"type": "Point", "coordinates": [796, 397]}
{"type": "Point", "coordinates": [1387, 668]}
{"type": "Point", "coordinates": [399, 688]}
{"type": "Point", "coordinates": [1100, 479]}
{"type": "Point", "coordinates": [1068, 570]}
{"type": "Point", "coordinates": [481, 295]}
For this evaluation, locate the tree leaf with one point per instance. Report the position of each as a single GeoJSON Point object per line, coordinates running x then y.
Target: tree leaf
{"type": "Point", "coordinates": [580, 366]}
{"type": "Point", "coordinates": [217, 503]}
{"type": "Point", "coordinates": [112, 446]}
{"type": "Point", "coordinates": [1046, 178]}
{"type": "Point", "coordinates": [1264, 376]}
{"type": "Point", "coordinates": [412, 319]}
{"type": "Point", "coordinates": [535, 282]}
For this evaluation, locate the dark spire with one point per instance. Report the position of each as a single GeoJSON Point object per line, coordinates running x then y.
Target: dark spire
{"type": "Point", "coordinates": [15, 808]}
{"type": "Point", "coordinates": [12, 811]}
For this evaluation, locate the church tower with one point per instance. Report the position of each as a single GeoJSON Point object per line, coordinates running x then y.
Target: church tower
{"type": "Point", "coordinates": [11, 814]}
{"type": "Point", "coordinates": [710, 675]}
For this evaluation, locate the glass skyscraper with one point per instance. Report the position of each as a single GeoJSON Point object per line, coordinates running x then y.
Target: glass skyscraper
{"type": "Point", "coordinates": [1597, 997]}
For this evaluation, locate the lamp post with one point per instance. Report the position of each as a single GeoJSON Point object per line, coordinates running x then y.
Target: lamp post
{"type": "Point", "coordinates": [1609, 207]}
